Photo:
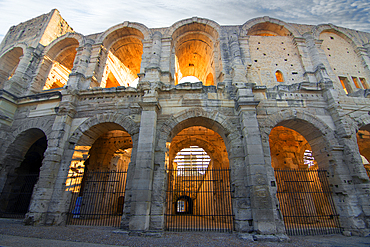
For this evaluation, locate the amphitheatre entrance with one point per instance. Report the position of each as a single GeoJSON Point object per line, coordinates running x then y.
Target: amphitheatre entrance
{"type": "Point", "coordinates": [303, 189]}
{"type": "Point", "coordinates": [198, 190]}
{"type": "Point", "coordinates": [97, 177]}
{"type": "Point", "coordinates": [23, 164]}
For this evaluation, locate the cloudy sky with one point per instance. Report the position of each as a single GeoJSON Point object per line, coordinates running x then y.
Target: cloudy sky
{"type": "Point", "coordinates": [92, 16]}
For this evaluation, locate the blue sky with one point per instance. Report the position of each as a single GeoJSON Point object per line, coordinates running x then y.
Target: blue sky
{"type": "Point", "coordinates": [92, 16]}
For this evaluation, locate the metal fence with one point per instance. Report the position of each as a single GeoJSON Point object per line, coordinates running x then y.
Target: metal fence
{"type": "Point", "coordinates": [97, 198]}
{"type": "Point", "coordinates": [16, 195]}
{"type": "Point", "coordinates": [306, 202]}
{"type": "Point", "coordinates": [199, 199]}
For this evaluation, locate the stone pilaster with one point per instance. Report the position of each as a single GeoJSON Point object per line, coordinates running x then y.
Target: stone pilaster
{"type": "Point", "coordinates": [319, 70]}
{"type": "Point", "coordinates": [257, 181]}
{"type": "Point", "coordinates": [309, 74]}
{"type": "Point", "coordinates": [142, 182]}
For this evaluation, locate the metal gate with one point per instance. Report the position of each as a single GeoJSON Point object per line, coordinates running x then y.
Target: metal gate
{"type": "Point", "coordinates": [97, 198]}
{"type": "Point", "coordinates": [16, 195]}
{"type": "Point", "coordinates": [199, 199]}
{"type": "Point", "coordinates": [306, 202]}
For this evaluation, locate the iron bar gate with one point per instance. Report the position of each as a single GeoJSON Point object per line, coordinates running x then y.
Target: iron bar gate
{"type": "Point", "coordinates": [306, 202]}
{"type": "Point", "coordinates": [97, 198]}
{"type": "Point", "coordinates": [199, 199]}
{"type": "Point", "coordinates": [16, 195]}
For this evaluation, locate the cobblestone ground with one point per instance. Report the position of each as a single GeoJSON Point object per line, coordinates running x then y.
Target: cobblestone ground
{"type": "Point", "coordinates": [81, 235]}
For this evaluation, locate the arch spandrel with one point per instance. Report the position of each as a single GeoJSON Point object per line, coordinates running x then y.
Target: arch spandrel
{"type": "Point", "coordinates": [287, 30]}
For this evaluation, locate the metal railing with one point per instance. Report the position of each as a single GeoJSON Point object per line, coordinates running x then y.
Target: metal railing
{"type": "Point", "coordinates": [199, 199]}
{"type": "Point", "coordinates": [97, 198]}
{"type": "Point", "coordinates": [306, 202]}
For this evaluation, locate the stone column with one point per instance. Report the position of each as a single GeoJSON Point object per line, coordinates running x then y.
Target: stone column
{"type": "Point", "coordinates": [18, 83]}
{"type": "Point", "coordinates": [40, 209]}
{"type": "Point", "coordinates": [258, 181]}
{"type": "Point", "coordinates": [142, 182]}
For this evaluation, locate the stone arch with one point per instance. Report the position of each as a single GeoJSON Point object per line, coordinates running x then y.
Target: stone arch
{"type": "Point", "coordinates": [318, 134]}
{"type": "Point", "coordinates": [58, 61]}
{"type": "Point", "coordinates": [213, 120]}
{"type": "Point", "coordinates": [84, 134]}
{"type": "Point", "coordinates": [206, 24]}
{"type": "Point", "coordinates": [142, 31]}
{"type": "Point", "coordinates": [317, 30]}
{"type": "Point", "coordinates": [9, 61]}
{"type": "Point", "coordinates": [279, 27]}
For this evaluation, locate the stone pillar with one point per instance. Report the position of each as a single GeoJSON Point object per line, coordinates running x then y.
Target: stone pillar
{"type": "Point", "coordinates": [40, 209]}
{"type": "Point", "coordinates": [77, 79]}
{"type": "Point", "coordinates": [142, 182]}
{"type": "Point", "coordinates": [18, 83]}
{"type": "Point", "coordinates": [258, 181]}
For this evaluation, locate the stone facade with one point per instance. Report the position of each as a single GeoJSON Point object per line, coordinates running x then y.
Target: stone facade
{"type": "Point", "coordinates": [79, 92]}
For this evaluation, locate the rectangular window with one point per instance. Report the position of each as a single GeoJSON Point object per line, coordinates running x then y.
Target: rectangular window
{"type": "Point", "coordinates": [355, 81]}
{"type": "Point", "coordinates": [344, 81]}
{"type": "Point", "coordinates": [363, 82]}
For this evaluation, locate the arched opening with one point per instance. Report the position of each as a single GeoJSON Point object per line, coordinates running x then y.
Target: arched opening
{"type": "Point", "coordinates": [194, 52]}
{"type": "Point", "coordinates": [9, 63]}
{"type": "Point", "coordinates": [279, 76]}
{"type": "Point", "coordinates": [363, 142]}
{"type": "Point", "coordinates": [98, 174]}
{"type": "Point", "coordinates": [348, 77]}
{"type": "Point", "coordinates": [184, 205]}
{"type": "Point", "coordinates": [58, 62]}
{"type": "Point", "coordinates": [198, 190]}
{"type": "Point", "coordinates": [22, 176]}
{"type": "Point", "coordinates": [123, 58]}
{"type": "Point", "coordinates": [303, 191]}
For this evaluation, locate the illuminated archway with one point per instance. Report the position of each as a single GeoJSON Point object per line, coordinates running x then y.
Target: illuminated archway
{"type": "Point", "coordinates": [198, 181]}
{"type": "Point", "coordinates": [194, 52]}
{"type": "Point", "coordinates": [123, 57]}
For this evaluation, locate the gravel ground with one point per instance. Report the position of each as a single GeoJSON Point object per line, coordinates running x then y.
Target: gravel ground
{"type": "Point", "coordinates": [81, 235]}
